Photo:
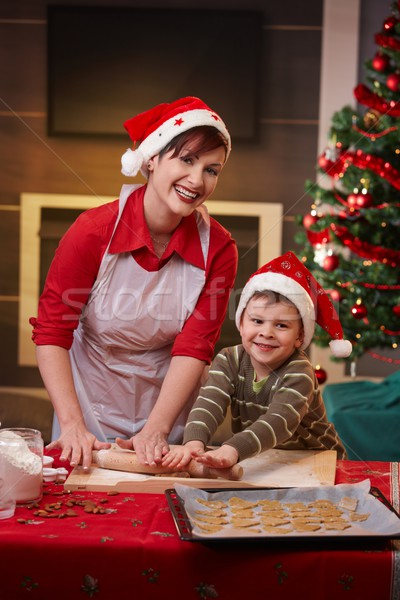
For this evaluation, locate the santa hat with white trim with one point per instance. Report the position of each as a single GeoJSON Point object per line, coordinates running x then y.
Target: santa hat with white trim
{"type": "Point", "coordinates": [288, 276]}
{"type": "Point", "coordinates": [154, 129]}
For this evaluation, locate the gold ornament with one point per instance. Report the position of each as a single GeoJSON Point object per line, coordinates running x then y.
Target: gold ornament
{"type": "Point", "coordinates": [371, 118]}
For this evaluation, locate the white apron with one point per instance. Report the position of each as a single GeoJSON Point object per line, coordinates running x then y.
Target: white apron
{"type": "Point", "coordinates": [121, 349]}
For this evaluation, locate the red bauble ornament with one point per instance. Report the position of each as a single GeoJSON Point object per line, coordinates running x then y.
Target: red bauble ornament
{"type": "Point", "coordinates": [321, 375]}
{"type": "Point", "coordinates": [396, 310]}
{"type": "Point", "coordinates": [309, 220]}
{"type": "Point", "coordinates": [393, 82]}
{"type": "Point", "coordinates": [324, 163]}
{"type": "Point", "coordinates": [359, 311]}
{"type": "Point", "coordinates": [380, 62]}
{"type": "Point", "coordinates": [360, 200]}
{"type": "Point", "coordinates": [335, 295]}
{"type": "Point", "coordinates": [331, 262]}
{"type": "Point", "coordinates": [352, 200]}
{"type": "Point", "coordinates": [389, 23]}
{"type": "Point", "coordinates": [364, 200]}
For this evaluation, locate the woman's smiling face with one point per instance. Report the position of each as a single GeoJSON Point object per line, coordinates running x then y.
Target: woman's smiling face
{"type": "Point", "coordinates": [184, 182]}
{"type": "Point", "coordinates": [271, 331]}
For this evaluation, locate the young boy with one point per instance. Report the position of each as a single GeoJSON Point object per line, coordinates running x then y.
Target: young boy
{"type": "Point", "coordinates": [268, 380]}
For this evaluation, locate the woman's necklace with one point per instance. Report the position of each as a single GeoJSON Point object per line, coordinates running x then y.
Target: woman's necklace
{"type": "Point", "coordinates": [159, 242]}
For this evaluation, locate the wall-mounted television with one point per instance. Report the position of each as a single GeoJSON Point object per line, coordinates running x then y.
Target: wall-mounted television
{"type": "Point", "coordinates": [106, 64]}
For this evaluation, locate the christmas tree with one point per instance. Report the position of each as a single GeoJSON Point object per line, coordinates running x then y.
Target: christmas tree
{"type": "Point", "coordinates": [351, 237]}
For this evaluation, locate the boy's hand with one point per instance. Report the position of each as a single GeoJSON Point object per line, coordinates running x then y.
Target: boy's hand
{"type": "Point", "coordinates": [180, 456]}
{"type": "Point", "coordinates": [221, 458]}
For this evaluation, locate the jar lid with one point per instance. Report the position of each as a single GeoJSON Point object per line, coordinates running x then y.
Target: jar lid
{"type": "Point", "coordinates": [48, 461]}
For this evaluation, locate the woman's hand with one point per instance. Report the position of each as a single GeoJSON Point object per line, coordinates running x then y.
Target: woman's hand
{"type": "Point", "coordinates": [150, 447]}
{"type": "Point", "coordinates": [76, 445]}
{"type": "Point", "coordinates": [180, 456]}
{"type": "Point", "coordinates": [221, 458]}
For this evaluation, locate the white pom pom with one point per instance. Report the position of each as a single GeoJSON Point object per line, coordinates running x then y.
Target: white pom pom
{"type": "Point", "coordinates": [341, 348]}
{"type": "Point", "coordinates": [131, 162]}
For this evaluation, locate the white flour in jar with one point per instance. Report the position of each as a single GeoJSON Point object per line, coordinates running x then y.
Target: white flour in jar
{"type": "Point", "coordinates": [21, 469]}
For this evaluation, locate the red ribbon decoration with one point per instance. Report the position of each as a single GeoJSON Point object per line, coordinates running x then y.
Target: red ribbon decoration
{"type": "Point", "coordinates": [341, 200]}
{"type": "Point", "coordinates": [383, 255]}
{"type": "Point", "coordinates": [318, 237]}
{"type": "Point", "coordinates": [377, 206]}
{"type": "Point", "coordinates": [373, 286]}
{"type": "Point", "coordinates": [360, 160]}
{"type": "Point", "coordinates": [387, 41]}
{"type": "Point", "coordinates": [376, 134]}
{"type": "Point", "coordinates": [392, 361]}
{"type": "Point", "coordinates": [388, 332]}
{"type": "Point", "coordinates": [368, 98]}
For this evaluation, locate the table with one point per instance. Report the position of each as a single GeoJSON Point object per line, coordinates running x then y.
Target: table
{"type": "Point", "coordinates": [129, 549]}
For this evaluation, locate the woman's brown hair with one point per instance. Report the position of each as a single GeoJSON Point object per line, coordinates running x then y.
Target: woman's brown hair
{"type": "Point", "coordinates": [196, 140]}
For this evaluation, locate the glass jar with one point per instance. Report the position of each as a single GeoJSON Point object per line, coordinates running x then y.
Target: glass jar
{"type": "Point", "coordinates": [21, 463]}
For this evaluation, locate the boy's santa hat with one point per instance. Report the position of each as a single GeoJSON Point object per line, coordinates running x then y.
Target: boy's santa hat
{"type": "Point", "coordinates": [288, 276]}
{"type": "Point", "coordinates": [156, 127]}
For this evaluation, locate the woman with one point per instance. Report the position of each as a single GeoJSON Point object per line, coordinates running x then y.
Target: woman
{"type": "Point", "coordinates": [137, 293]}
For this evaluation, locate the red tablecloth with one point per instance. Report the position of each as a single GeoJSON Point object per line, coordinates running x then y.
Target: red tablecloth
{"type": "Point", "coordinates": [132, 551]}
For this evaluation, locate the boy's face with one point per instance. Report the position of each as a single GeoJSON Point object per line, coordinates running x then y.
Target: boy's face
{"type": "Point", "coordinates": [271, 331]}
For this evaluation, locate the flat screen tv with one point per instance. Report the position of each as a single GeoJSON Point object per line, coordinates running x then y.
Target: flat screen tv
{"type": "Point", "coordinates": [106, 64]}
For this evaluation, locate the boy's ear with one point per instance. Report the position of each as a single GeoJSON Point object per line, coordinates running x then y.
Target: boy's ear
{"type": "Point", "coordinates": [300, 339]}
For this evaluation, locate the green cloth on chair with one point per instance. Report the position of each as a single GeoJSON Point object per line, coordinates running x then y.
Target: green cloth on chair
{"type": "Point", "coordinates": [367, 417]}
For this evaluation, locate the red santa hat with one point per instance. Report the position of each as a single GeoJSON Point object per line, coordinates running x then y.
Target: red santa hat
{"type": "Point", "coordinates": [288, 276]}
{"type": "Point", "coordinates": [156, 127]}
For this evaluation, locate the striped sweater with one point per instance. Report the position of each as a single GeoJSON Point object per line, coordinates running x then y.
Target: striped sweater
{"type": "Point", "coordinates": [287, 412]}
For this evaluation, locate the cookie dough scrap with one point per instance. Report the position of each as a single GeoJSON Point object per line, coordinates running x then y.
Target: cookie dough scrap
{"type": "Point", "coordinates": [207, 527]}
{"type": "Point", "coordinates": [212, 503]}
{"type": "Point", "coordinates": [270, 504]}
{"type": "Point", "coordinates": [213, 512]}
{"type": "Point", "coordinates": [305, 526]}
{"type": "Point", "coordinates": [321, 503]}
{"type": "Point", "coordinates": [329, 514]}
{"type": "Point", "coordinates": [237, 502]}
{"type": "Point", "coordinates": [348, 503]}
{"type": "Point", "coordinates": [277, 530]}
{"type": "Point", "coordinates": [359, 516]}
{"type": "Point", "coordinates": [274, 521]}
{"type": "Point", "coordinates": [246, 513]}
{"type": "Point", "coordinates": [337, 526]}
{"type": "Point", "coordinates": [276, 514]}
{"type": "Point", "coordinates": [244, 523]}
{"type": "Point", "coordinates": [296, 506]}
{"type": "Point", "coordinates": [211, 520]}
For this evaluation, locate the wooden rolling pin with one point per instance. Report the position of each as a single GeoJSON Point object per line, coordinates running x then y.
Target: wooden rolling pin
{"type": "Point", "coordinates": [125, 460]}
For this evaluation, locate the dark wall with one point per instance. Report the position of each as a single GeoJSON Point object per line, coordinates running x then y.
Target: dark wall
{"type": "Point", "coordinates": [271, 170]}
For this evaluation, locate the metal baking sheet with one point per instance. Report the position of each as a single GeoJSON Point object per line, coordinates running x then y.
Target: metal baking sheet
{"type": "Point", "coordinates": [383, 521]}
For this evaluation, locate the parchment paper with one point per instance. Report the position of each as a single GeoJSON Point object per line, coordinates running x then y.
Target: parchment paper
{"type": "Point", "coordinates": [381, 522]}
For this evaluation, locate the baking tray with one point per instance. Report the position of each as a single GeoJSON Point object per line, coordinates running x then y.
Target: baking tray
{"type": "Point", "coordinates": [185, 529]}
